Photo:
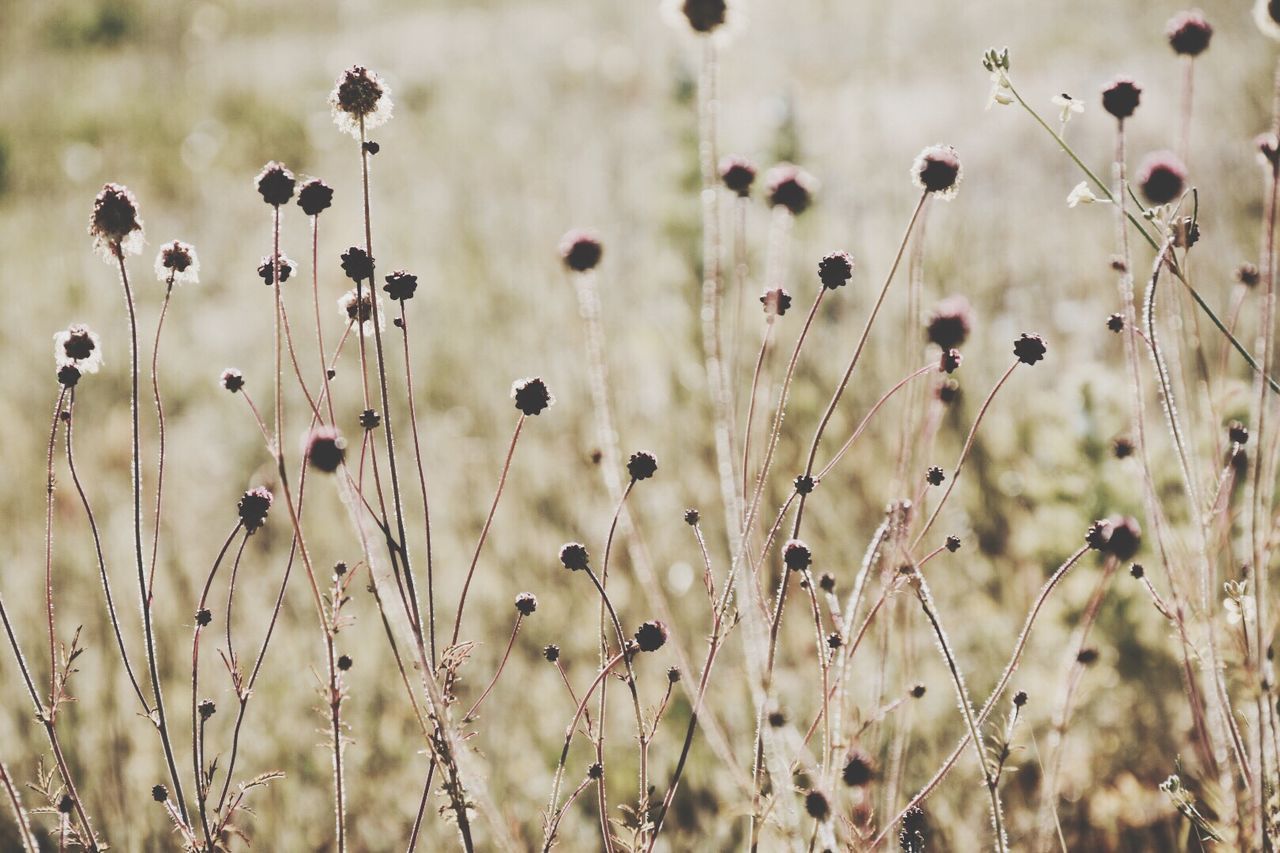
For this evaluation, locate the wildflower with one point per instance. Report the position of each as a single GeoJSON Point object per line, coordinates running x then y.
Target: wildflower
{"type": "Point", "coordinates": [1137, 571]}
{"type": "Point", "coordinates": [917, 691]}
{"type": "Point", "coordinates": [253, 508]}
{"type": "Point", "coordinates": [1020, 698]}
{"type": "Point", "coordinates": [207, 709]}
{"type": "Point", "coordinates": [551, 652]}
{"type": "Point", "coordinates": [1120, 97]}
{"type": "Point", "coordinates": [267, 272]}
{"type": "Point", "coordinates": [78, 346]}
{"type": "Point", "coordinates": [1248, 275]}
{"type": "Point", "coordinates": [789, 186]}
{"type": "Point", "coordinates": [531, 395]}
{"type": "Point", "coordinates": [834, 641]}
{"type": "Point", "coordinates": [1115, 322]}
{"type": "Point", "coordinates": [115, 225]}
{"type": "Point", "coordinates": [815, 803]}
{"type": "Point", "coordinates": [949, 391]}
{"type": "Point", "coordinates": [804, 484]}
{"type": "Point", "coordinates": [1122, 447]}
{"type": "Point", "coordinates": [951, 360]}
{"type": "Point", "coordinates": [360, 101]}
{"type": "Point", "coordinates": [796, 555]}
{"type": "Point", "coordinates": [1118, 536]}
{"type": "Point", "coordinates": [581, 249]}
{"type": "Point", "coordinates": [231, 379]}
{"type": "Point", "coordinates": [937, 170]}
{"type": "Point", "coordinates": [691, 516]}
{"type": "Point", "coordinates": [1241, 609]}
{"type": "Point", "coordinates": [1067, 107]}
{"type": "Point", "coordinates": [275, 184]}
{"type": "Point", "coordinates": [325, 449]}
{"type": "Point", "coordinates": [835, 269]}
{"type": "Point", "coordinates": [1186, 232]}
{"type": "Point", "coordinates": [935, 476]}
{"type": "Point", "coordinates": [573, 556]}
{"type": "Point", "coordinates": [526, 603]}
{"type": "Point", "coordinates": [953, 544]}
{"type": "Point", "coordinates": [344, 662]}
{"type": "Point", "coordinates": [1029, 348]}
{"type": "Point", "coordinates": [595, 771]}
{"type": "Point", "coordinates": [651, 636]}
{"type": "Point", "coordinates": [704, 15]}
{"type": "Point", "coordinates": [68, 376]}
{"type": "Point", "coordinates": [370, 419]}
{"type": "Point", "coordinates": [1087, 656]}
{"type": "Point", "coordinates": [1266, 13]}
{"type": "Point", "coordinates": [827, 583]}
{"type": "Point", "coordinates": [776, 301]}
{"type": "Point", "coordinates": [949, 325]}
{"type": "Point", "coordinates": [1188, 33]}
{"type": "Point", "coordinates": [400, 285]}
{"type": "Point", "coordinates": [203, 617]}
{"type": "Point", "coordinates": [177, 261]}
{"type": "Point", "coordinates": [777, 719]}
{"type": "Point", "coordinates": [1162, 177]}
{"type": "Point", "coordinates": [1081, 193]}
{"type": "Point", "coordinates": [358, 307]}
{"type": "Point", "coordinates": [357, 265]}
{"type": "Point", "coordinates": [858, 770]}
{"type": "Point", "coordinates": [1000, 88]}
{"type": "Point", "coordinates": [673, 675]}
{"type": "Point", "coordinates": [738, 174]}
{"type": "Point", "coordinates": [1238, 433]}
{"type": "Point", "coordinates": [642, 465]}
{"type": "Point", "coordinates": [913, 829]}
{"type": "Point", "coordinates": [315, 196]}
{"type": "Point", "coordinates": [1096, 536]}
{"type": "Point", "coordinates": [159, 793]}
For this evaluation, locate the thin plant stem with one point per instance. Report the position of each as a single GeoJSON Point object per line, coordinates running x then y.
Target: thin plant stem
{"type": "Point", "coordinates": [25, 835]}
{"type": "Point", "coordinates": [471, 714]}
{"type": "Point", "coordinates": [422, 482]}
{"type": "Point", "coordinates": [160, 428]}
{"type": "Point", "coordinates": [48, 554]}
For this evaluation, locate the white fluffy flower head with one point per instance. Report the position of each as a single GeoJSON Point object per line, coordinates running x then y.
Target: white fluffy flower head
{"type": "Point", "coordinates": [360, 97]}
{"type": "Point", "coordinates": [178, 259]}
{"type": "Point", "coordinates": [77, 346]}
{"type": "Point", "coordinates": [358, 308]}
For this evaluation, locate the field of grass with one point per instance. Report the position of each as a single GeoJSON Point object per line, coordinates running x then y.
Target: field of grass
{"type": "Point", "coordinates": [515, 121]}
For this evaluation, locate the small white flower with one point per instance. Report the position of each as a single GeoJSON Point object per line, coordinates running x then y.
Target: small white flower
{"type": "Point", "coordinates": [178, 259]}
{"type": "Point", "coordinates": [360, 94]}
{"type": "Point", "coordinates": [1082, 193]}
{"type": "Point", "coordinates": [999, 89]}
{"type": "Point", "coordinates": [1067, 106]}
{"type": "Point", "coordinates": [1242, 610]}
{"type": "Point", "coordinates": [77, 346]}
{"type": "Point", "coordinates": [359, 308]}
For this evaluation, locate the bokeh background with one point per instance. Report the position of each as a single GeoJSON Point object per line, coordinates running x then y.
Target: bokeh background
{"type": "Point", "coordinates": [514, 121]}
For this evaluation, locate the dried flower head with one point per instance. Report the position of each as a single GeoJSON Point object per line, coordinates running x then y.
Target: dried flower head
{"type": "Point", "coordinates": [858, 770]}
{"type": "Point", "coordinates": [804, 484]}
{"type": "Point", "coordinates": [950, 322]}
{"type": "Point", "coordinates": [651, 636]}
{"type": "Point", "coordinates": [1020, 698]}
{"type": "Point", "coordinates": [207, 709]}
{"type": "Point", "coordinates": [1122, 447]}
{"type": "Point", "coordinates": [704, 15]}
{"type": "Point", "coordinates": [159, 793]}
{"type": "Point", "coordinates": [953, 544]}
{"type": "Point", "coordinates": [344, 662]}
{"type": "Point", "coordinates": [1248, 275]}
{"type": "Point", "coordinates": [357, 265]}
{"type": "Point", "coordinates": [574, 557]}
{"type": "Point", "coordinates": [1137, 571]}
{"type": "Point", "coordinates": [1029, 348]}
{"type": "Point", "coordinates": [673, 675]}
{"type": "Point", "coordinates": [231, 379]}
{"type": "Point", "coordinates": [1087, 656]}
{"type": "Point", "coordinates": [595, 770]}
{"type": "Point", "coordinates": [551, 652]}
{"type": "Point", "coordinates": [937, 170]}
{"type": "Point", "coordinates": [357, 306]}
{"type": "Point", "coordinates": [691, 516]}
{"type": "Point", "coordinates": [1120, 97]}
{"type": "Point", "coordinates": [1238, 433]}
{"type": "Point", "coordinates": [776, 301]}
{"type": "Point", "coordinates": [325, 449]}
{"type": "Point", "coordinates": [1125, 537]}
{"type": "Point", "coordinates": [935, 476]}
{"type": "Point", "coordinates": [370, 419]}
{"type": "Point", "coordinates": [253, 508]}
{"type": "Point", "coordinates": [642, 465]}
{"type": "Point", "coordinates": [267, 271]}
{"type": "Point", "coordinates": [827, 582]}
{"type": "Point", "coordinates": [275, 184]}
{"type": "Point", "coordinates": [1116, 322]}
{"type": "Point", "coordinates": [918, 691]}
{"type": "Point", "coordinates": [1188, 33]}
{"type": "Point", "coordinates": [532, 395]}
{"type": "Point", "coordinates": [738, 174]}
{"type": "Point", "coordinates": [789, 186]}
{"type": "Point", "coordinates": [1096, 536]}
{"type": "Point", "coordinates": [315, 197]}
{"type": "Point", "coordinates": [400, 285]}
{"type": "Point", "coordinates": [68, 377]}
{"type": "Point", "coordinates": [816, 805]}
{"type": "Point", "coordinates": [796, 555]}
{"type": "Point", "coordinates": [1162, 177]}
{"type": "Point", "coordinates": [581, 249]}
{"type": "Point", "coordinates": [177, 262]}
{"type": "Point", "coordinates": [78, 346]}
{"type": "Point", "coordinates": [526, 603]}
{"type": "Point", "coordinates": [360, 101]}
{"type": "Point", "coordinates": [834, 640]}
{"type": "Point", "coordinates": [835, 269]}
{"type": "Point", "coordinates": [115, 226]}
{"type": "Point", "coordinates": [950, 361]}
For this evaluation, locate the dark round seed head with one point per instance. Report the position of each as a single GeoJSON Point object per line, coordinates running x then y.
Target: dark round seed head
{"type": "Point", "coordinates": [253, 507]}
{"type": "Point", "coordinates": [1020, 698]}
{"type": "Point", "coordinates": [314, 197]}
{"type": "Point", "coordinates": [356, 264]}
{"type": "Point", "coordinates": [937, 170]}
{"type": "Point", "coordinates": [816, 805]}
{"type": "Point", "coordinates": [777, 719]}
{"type": "Point", "coordinates": [738, 174]}
{"type": "Point", "coordinates": [203, 617]}
{"type": "Point", "coordinates": [275, 184]}
{"type": "Point", "coordinates": [642, 465]}
{"type": "Point", "coordinates": [1116, 322]}
{"type": "Point", "coordinates": [339, 569]}
{"type": "Point", "coordinates": [1096, 536]}
{"type": "Point", "coordinates": [531, 395]}
{"type": "Point", "coordinates": [835, 269]}
{"type": "Point", "coordinates": [371, 147]}
{"type": "Point", "coordinates": [1188, 33]}
{"type": "Point", "coordinates": [370, 419]}
{"type": "Point", "coordinates": [1120, 97]}
{"type": "Point", "coordinates": [949, 325]}
{"type": "Point", "coordinates": [953, 544]}
{"type": "Point", "coordinates": [1248, 275]}
{"type": "Point", "coordinates": [66, 804]}
{"type": "Point", "coordinates": [344, 662]}
{"type": "Point", "coordinates": [595, 771]}
{"type": "Point", "coordinates": [949, 391]}
{"type": "Point", "coordinates": [115, 215]}
{"type": "Point", "coordinates": [1087, 656]}
{"type": "Point", "coordinates": [1137, 571]}
{"type": "Point", "coordinates": [1122, 447]}
{"type": "Point", "coordinates": [325, 449]}
{"type": "Point", "coordinates": [796, 555]}
{"type": "Point", "coordinates": [68, 376]}
{"type": "Point", "coordinates": [573, 556]}
{"type": "Point", "coordinates": [401, 285]}
{"type": "Point", "coordinates": [581, 250]}
{"type": "Point", "coordinates": [1125, 538]}
{"type": "Point", "coordinates": [776, 301]}
{"type": "Point", "coordinates": [935, 476]}
{"type": "Point", "coordinates": [267, 270]}
{"type": "Point", "coordinates": [651, 636]}
{"type": "Point", "coordinates": [159, 793]}
{"type": "Point", "coordinates": [673, 675]}
{"type": "Point", "coordinates": [950, 361]}
{"type": "Point", "coordinates": [789, 186]}
{"type": "Point", "coordinates": [551, 652]}
{"type": "Point", "coordinates": [804, 484]}
{"type": "Point", "coordinates": [827, 582]}
{"type": "Point", "coordinates": [1238, 433]}
{"type": "Point", "coordinates": [1029, 348]}
{"type": "Point", "coordinates": [834, 640]}
{"type": "Point", "coordinates": [526, 603]}
{"type": "Point", "coordinates": [691, 516]}
{"type": "Point", "coordinates": [917, 691]}
{"type": "Point", "coordinates": [207, 709]}
{"type": "Point", "coordinates": [704, 15]}
{"type": "Point", "coordinates": [1162, 177]}
{"type": "Point", "coordinates": [858, 770]}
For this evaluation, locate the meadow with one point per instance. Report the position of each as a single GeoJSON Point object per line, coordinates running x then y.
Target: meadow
{"type": "Point", "coordinates": [815, 366]}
